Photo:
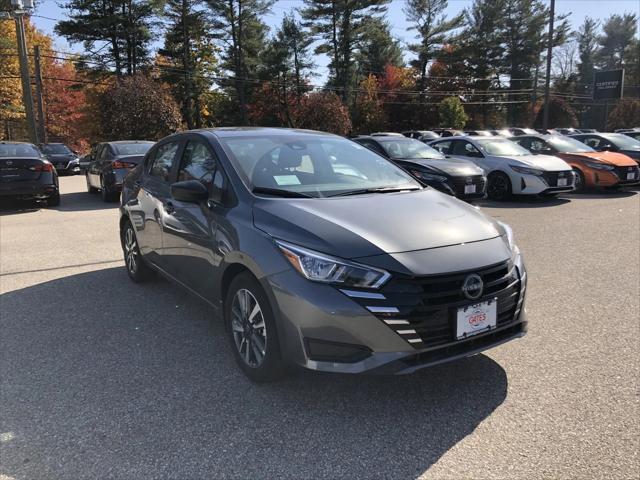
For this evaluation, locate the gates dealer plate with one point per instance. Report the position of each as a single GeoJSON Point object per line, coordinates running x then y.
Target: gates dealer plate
{"type": "Point", "coordinates": [476, 318]}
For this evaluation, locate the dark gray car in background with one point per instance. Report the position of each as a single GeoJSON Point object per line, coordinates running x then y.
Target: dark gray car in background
{"type": "Point", "coordinates": [110, 163]}
{"type": "Point", "coordinates": [319, 253]}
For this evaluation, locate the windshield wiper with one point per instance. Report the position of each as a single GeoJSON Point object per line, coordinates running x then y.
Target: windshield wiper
{"type": "Point", "coordinates": [281, 192]}
{"type": "Point", "coordinates": [375, 190]}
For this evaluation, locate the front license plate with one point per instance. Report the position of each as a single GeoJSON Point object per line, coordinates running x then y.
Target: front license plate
{"type": "Point", "coordinates": [631, 176]}
{"type": "Point", "coordinates": [476, 318]}
{"type": "Point", "coordinates": [469, 189]}
{"type": "Point", "coordinates": [562, 182]}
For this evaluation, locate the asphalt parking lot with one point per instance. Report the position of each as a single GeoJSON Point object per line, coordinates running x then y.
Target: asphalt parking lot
{"type": "Point", "coordinates": [101, 378]}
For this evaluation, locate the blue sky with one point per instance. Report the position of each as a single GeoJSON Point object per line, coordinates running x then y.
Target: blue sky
{"type": "Point", "coordinates": [578, 10]}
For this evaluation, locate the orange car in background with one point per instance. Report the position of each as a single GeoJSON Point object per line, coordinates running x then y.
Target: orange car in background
{"type": "Point", "coordinates": [593, 169]}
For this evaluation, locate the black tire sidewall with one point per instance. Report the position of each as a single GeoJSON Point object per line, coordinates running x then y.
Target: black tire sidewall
{"type": "Point", "coordinates": [580, 175]}
{"type": "Point", "coordinates": [492, 178]}
{"type": "Point", "coordinates": [143, 272]}
{"type": "Point", "coordinates": [272, 366]}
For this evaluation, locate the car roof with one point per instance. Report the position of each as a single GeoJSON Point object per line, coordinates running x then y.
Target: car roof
{"type": "Point", "coordinates": [128, 142]}
{"type": "Point", "coordinates": [228, 132]}
{"type": "Point", "coordinates": [11, 142]}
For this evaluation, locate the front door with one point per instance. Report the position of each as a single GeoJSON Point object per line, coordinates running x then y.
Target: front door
{"type": "Point", "coordinates": [189, 250]}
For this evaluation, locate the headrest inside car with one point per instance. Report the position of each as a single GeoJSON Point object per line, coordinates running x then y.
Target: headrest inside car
{"type": "Point", "coordinates": [289, 158]}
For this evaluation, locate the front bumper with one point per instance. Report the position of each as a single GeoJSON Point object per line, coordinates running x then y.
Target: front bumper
{"type": "Point", "coordinates": [317, 321]}
{"type": "Point", "coordinates": [545, 184]}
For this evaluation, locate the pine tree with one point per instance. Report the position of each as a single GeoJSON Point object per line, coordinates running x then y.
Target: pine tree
{"type": "Point", "coordinates": [618, 33]}
{"type": "Point", "coordinates": [187, 57]}
{"type": "Point", "coordinates": [124, 26]}
{"type": "Point", "coordinates": [377, 48]}
{"type": "Point", "coordinates": [432, 28]}
{"type": "Point", "coordinates": [338, 25]}
{"type": "Point", "coordinates": [587, 37]}
{"type": "Point", "coordinates": [242, 33]}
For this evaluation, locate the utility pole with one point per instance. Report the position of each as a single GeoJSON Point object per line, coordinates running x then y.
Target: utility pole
{"type": "Point", "coordinates": [547, 82]}
{"type": "Point", "coordinates": [20, 8]}
{"type": "Point", "coordinates": [42, 131]}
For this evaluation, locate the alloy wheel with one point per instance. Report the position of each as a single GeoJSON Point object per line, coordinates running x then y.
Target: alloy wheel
{"type": "Point", "coordinates": [131, 251]}
{"type": "Point", "coordinates": [248, 328]}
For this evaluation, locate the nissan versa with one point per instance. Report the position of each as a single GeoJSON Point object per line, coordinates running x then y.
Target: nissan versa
{"type": "Point", "coordinates": [320, 253]}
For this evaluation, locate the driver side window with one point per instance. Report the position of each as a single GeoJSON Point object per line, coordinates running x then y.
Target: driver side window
{"type": "Point", "coordinates": [198, 163]}
{"type": "Point", "coordinates": [442, 147]}
{"type": "Point", "coordinates": [465, 149]}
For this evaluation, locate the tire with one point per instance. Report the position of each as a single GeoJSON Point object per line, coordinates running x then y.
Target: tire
{"type": "Point", "coordinates": [499, 186]}
{"type": "Point", "coordinates": [580, 183]}
{"type": "Point", "coordinates": [54, 200]}
{"type": "Point", "coordinates": [90, 188]}
{"type": "Point", "coordinates": [137, 269]}
{"type": "Point", "coordinates": [249, 331]}
{"type": "Point", "coordinates": [107, 195]}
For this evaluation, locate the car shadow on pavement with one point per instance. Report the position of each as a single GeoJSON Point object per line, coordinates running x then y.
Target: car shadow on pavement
{"type": "Point", "coordinates": [102, 378]}
{"type": "Point", "coordinates": [79, 201]}
{"type": "Point", "coordinates": [589, 194]}
{"type": "Point", "coordinates": [16, 207]}
{"type": "Point", "coordinates": [524, 201]}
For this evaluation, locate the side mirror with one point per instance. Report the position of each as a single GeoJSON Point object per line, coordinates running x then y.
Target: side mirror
{"type": "Point", "coordinates": [190, 191]}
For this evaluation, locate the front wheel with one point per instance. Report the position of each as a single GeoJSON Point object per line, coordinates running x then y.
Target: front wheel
{"type": "Point", "coordinates": [579, 181]}
{"type": "Point", "coordinates": [252, 330]}
{"type": "Point", "coordinates": [499, 186]}
{"type": "Point", "coordinates": [137, 269]}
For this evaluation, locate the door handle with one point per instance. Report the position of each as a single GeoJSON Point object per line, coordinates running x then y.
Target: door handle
{"type": "Point", "coordinates": [169, 208]}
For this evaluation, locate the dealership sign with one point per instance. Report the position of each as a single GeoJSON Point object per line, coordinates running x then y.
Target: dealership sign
{"type": "Point", "coordinates": [608, 84]}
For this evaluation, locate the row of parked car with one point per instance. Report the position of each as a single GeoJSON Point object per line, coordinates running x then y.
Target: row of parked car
{"type": "Point", "coordinates": [469, 165]}
{"type": "Point", "coordinates": [325, 252]}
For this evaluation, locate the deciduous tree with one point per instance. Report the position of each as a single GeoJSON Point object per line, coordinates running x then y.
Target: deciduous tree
{"type": "Point", "coordinates": [626, 114]}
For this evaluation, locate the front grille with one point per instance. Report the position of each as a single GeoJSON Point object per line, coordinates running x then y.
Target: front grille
{"type": "Point", "coordinates": [551, 178]}
{"type": "Point", "coordinates": [423, 310]}
{"type": "Point", "coordinates": [622, 173]}
{"type": "Point", "coordinates": [460, 182]}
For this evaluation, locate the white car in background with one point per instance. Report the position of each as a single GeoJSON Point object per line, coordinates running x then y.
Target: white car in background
{"type": "Point", "coordinates": [510, 169]}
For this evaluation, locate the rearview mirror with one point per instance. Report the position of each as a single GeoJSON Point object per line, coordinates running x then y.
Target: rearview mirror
{"type": "Point", "coordinates": [191, 191]}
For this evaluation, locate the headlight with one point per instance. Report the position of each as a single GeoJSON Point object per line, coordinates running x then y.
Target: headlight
{"type": "Point", "coordinates": [527, 170]}
{"type": "Point", "coordinates": [599, 165]}
{"type": "Point", "coordinates": [326, 269]}
{"type": "Point", "coordinates": [429, 177]}
{"type": "Point", "coordinates": [508, 236]}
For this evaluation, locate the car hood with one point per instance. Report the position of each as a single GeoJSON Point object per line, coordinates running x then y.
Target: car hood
{"type": "Point", "coordinates": [452, 166]}
{"type": "Point", "coordinates": [543, 162]}
{"type": "Point", "coordinates": [610, 158]}
{"type": "Point", "coordinates": [374, 224]}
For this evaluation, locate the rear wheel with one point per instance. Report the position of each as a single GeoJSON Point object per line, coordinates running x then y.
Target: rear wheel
{"type": "Point", "coordinates": [107, 195]}
{"type": "Point", "coordinates": [90, 188]}
{"type": "Point", "coordinates": [54, 200]}
{"type": "Point", "coordinates": [499, 186]}
{"type": "Point", "coordinates": [579, 182]}
{"type": "Point", "coordinates": [252, 330]}
{"type": "Point", "coordinates": [137, 269]}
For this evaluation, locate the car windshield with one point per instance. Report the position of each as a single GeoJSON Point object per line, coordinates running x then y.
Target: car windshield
{"type": "Point", "coordinates": [622, 141]}
{"type": "Point", "coordinates": [568, 145]}
{"type": "Point", "coordinates": [502, 148]}
{"type": "Point", "coordinates": [56, 149]}
{"type": "Point", "coordinates": [18, 150]}
{"type": "Point", "coordinates": [408, 148]}
{"type": "Point", "coordinates": [132, 148]}
{"type": "Point", "coordinates": [311, 165]}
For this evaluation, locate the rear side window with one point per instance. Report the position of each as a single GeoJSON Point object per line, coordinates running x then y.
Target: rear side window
{"type": "Point", "coordinates": [442, 147]}
{"type": "Point", "coordinates": [162, 162]}
{"type": "Point", "coordinates": [198, 163]}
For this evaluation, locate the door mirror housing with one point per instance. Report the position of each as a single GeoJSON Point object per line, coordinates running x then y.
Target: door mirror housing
{"type": "Point", "coordinates": [190, 191]}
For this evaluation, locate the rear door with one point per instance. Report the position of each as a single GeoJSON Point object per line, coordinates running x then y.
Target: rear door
{"type": "Point", "coordinates": [153, 196]}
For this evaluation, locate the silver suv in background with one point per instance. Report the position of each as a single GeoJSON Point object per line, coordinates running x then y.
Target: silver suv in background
{"type": "Point", "coordinates": [320, 253]}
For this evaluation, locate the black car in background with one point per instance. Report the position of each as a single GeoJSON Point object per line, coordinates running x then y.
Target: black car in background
{"type": "Point", "coordinates": [110, 163]}
{"type": "Point", "coordinates": [26, 174]}
{"type": "Point", "coordinates": [612, 142]}
{"type": "Point", "coordinates": [62, 157]}
{"type": "Point", "coordinates": [456, 177]}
